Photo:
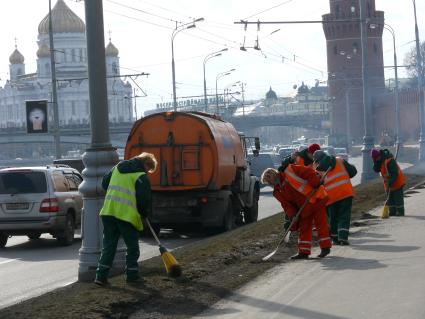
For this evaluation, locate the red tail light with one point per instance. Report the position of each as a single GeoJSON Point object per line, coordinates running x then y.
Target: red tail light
{"type": "Point", "coordinates": [204, 200]}
{"type": "Point", "coordinates": [49, 205]}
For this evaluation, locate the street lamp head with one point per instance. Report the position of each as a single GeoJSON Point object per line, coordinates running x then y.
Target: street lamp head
{"type": "Point", "coordinates": [225, 49]}
{"type": "Point", "coordinates": [242, 48]}
{"type": "Point", "coordinates": [232, 70]}
{"type": "Point", "coordinates": [191, 26]}
{"type": "Point", "coordinates": [199, 20]}
{"type": "Point", "coordinates": [218, 54]}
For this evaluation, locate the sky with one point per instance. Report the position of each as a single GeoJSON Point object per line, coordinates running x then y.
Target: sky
{"type": "Point", "coordinates": [142, 29]}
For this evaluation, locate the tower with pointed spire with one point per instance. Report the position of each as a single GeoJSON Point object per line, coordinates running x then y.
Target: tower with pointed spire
{"type": "Point", "coordinates": [17, 66]}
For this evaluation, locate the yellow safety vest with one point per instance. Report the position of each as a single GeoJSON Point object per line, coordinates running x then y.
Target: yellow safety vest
{"type": "Point", "coordinates": [120, 200]}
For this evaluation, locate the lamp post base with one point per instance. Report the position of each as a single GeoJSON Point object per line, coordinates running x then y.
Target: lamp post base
{"type": "Point", "coordinates": [367, 172]}
{"type": "Point", "coordinates": [97, 162]}
{"type": "Point", "coordinates": [421, 148]}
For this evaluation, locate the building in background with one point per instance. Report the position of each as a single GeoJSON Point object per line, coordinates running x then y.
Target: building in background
{"type": "Point", "coordinates": [71, 71]}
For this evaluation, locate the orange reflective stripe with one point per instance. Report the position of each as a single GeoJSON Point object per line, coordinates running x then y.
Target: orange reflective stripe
{"type": "Point", "coordinates": [338, 184]}
{"type": "Point", "coordinates": [302, 186]}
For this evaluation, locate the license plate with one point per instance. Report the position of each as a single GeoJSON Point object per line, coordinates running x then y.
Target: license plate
{"type": "Point", "coordinates": [17, 206]}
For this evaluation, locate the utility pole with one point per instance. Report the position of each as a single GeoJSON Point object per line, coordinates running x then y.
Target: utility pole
{"type": "Point", "coordinates": [100, 157]}
{"type": "Point", "coordinates": [135, 103]}
{"type": "Point", "coordinates": [348, 119]}
{"type": "Point", "coordinates": [368, 140]}
{"type": "Point", "coordinates": [243, 99]}
{"type": "Point", "coordinates": [419, 68]}
{"type": "Point", "coordinates": [56, 134]}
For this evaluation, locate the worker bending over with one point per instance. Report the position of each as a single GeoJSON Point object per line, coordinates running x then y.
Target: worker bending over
{"type": "Point", "coordinates": [305, 157]}
{"type": "Point", "coordinates": [340, 191]}
{"type": "Point", "coordinates": [292, 186]}
{"type": "Point", "coordinates": [394, 180]}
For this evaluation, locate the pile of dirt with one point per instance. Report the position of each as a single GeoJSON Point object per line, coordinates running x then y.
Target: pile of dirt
{"type": "Point", "coordinates": [213, 268]}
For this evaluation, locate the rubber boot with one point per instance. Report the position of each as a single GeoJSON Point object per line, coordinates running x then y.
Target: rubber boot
{"type": "Point", "coordinates": [299, 256]}
{"type": "Point", "coordinates": [324, 252]}
{"type": "Point", "coordinates": [344, 242]}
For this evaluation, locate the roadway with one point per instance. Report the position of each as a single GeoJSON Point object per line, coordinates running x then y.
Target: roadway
{"type": "Point", "coordinates": [31, 268]}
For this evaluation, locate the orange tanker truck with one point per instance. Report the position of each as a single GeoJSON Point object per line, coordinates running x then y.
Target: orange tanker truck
{"type": "Point", "coordinates": [203, 175]}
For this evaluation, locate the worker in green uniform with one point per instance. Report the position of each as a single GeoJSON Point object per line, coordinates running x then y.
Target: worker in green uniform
{"type": "Point", "coordinates": [394, 179]}
{"type": "Point", "coordinates": [340, 191]}
{"type": "Point", "coordinates": [128, 200]}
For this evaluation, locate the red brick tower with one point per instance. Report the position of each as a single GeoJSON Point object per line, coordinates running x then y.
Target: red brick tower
{"type": "Point", "coordinates": [345, 64]}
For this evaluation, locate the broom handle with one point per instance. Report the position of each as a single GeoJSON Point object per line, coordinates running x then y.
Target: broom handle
{"type": "Point", "coordinates": [152, 231]}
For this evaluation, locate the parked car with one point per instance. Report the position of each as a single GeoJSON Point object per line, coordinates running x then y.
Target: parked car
{"type": "Point", "coordinates": [328, 150]}
{"type": "Point", "coordinates": [341, 152]}
{"type": "Point", "coordinates": [37, 200]}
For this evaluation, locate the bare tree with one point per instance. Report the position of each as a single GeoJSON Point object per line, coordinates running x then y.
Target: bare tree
{"type": "Point", "coordinates": [410, 61]}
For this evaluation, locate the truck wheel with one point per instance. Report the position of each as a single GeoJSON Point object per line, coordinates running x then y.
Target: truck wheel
{"type": "Point", "coordinates": [251, 213]}
{"type": "Point", "coordinates": [3, 240]}
{"type": "Point", "coordinates": [228, 218]}
{"type": "Point", "coordinates": [34, 236]}
{"type": "Point", "coordinates": [66, 238]}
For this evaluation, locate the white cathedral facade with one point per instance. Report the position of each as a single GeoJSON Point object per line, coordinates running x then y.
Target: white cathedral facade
{"type": "Point", "coordinates": [71, 71]}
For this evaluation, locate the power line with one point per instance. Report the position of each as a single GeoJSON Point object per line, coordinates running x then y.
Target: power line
{"type": "Point", "coordinates": [274, 7]}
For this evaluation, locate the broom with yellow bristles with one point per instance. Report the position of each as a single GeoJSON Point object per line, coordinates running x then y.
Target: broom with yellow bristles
{"type": "Point", "coordinates": [386, 210]}
{"type": "Point", "coordinates": [172, 266]}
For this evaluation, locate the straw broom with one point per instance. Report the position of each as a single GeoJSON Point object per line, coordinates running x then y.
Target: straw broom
{"type": "Point", "coordinates": [172, 266]}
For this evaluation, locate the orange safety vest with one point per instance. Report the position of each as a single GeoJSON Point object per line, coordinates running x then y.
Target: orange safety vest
{"type": "Point", "coordinates": [302, 186]}
{"type": "Point", "coordinates": [300, 161]}
{"type": "Point", "coordinates": [399, 182]}
{"type": "Point", "coordinates": [338, 184]}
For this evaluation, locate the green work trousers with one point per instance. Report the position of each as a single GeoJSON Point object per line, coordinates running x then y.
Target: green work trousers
{"type": "Point", "coordinates": [113, 229]}
{"type": "Point", "coordinates": [396, 202]}
{"type": "Point", "coordinates": [339, 217]}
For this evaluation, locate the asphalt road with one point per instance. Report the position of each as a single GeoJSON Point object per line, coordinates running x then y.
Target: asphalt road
{"type": "Point", "coordinates": [380, 276]}
{"type": "Point", "coordinates": [31, 268]}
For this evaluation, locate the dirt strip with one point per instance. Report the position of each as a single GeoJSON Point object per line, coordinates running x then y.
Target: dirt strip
{"type": "Point", "coordinates": [213, 268]}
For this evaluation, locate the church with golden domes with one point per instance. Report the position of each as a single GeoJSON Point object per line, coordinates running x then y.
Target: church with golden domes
{"type": "Point", "coordinates": [70, 50]}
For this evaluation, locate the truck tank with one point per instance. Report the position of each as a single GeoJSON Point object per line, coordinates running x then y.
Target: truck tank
{"type": "Point", "coordinates": [194, 150]}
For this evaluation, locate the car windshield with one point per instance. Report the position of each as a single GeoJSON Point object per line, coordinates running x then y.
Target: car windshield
{"type": "Point", "coordinates": [22, 183]}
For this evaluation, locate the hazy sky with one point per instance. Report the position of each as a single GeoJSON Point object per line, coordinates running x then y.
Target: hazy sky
{"type": "Point", "coordinates": [142, 34]}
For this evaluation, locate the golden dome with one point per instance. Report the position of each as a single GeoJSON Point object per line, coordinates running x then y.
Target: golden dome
{"type": "Point", "coordinates": [16, 57]}
{"type": "Point", "coordinates": [43, 51]}
{"type": "Point", "coordinates": [111, 50]}
{"type": "Point", "coordinates": [64, 21]}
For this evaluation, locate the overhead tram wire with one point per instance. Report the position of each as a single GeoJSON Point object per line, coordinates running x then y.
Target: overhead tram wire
{"type": "Point", "coordinates": [142, 11]}
{"type": "Point", "coordinates": [274, 7]}
{"type": "Point", "coordinates": [166, 9]}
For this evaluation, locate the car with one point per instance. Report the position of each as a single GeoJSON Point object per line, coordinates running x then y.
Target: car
{"type": "Point", "coordinates": [341, 152]}
{"type": "Point", "coordinates": [328, 150]}
{"type": "Point", "coordinates": [37, 200]}
{"type": "Point", "coordinates": [286, 151]}
{"type": "Point", "coordinates": [262, 161]}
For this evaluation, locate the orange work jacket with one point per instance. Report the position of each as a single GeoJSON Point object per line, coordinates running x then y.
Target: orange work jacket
{"type": "Point", "coordinates": [399, 182]}
{"type": "Point", "coordinates": [338, 184]}
{"type": "Point", "coordinates": [302, 186]}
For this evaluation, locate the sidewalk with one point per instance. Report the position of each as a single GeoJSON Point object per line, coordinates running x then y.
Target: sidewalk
{"type": "Point", "coordinates": [380, 276]}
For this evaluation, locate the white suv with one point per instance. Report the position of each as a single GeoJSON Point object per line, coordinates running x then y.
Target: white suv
{"type": "Point", "coordinates": [36, 200]}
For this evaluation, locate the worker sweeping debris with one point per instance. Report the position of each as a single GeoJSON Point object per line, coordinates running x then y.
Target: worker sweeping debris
{"type": "Point", "coordinates": [340, 191]}
{"type": "Point", "coordinates": [297, 187]}
{"type": "Point", "coordinates": [172, 267]}
{"type": "Point", "coordinates": [394, 180]}
{"type": "Point", "coordinates": [128, 200]}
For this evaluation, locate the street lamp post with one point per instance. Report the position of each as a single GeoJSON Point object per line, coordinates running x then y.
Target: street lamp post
{"type": "Point", "coordinates": [420, 89]}
{"type": "Point", "coordinates": [220, 75]}
{"type": "Point", "coordinates": [368, 140]}
{"type": "Point", "coordinates": [209, 56]}
{"type": "Point", "coordinates": [100, 157]}
{"type": "Point", "coordinates": [179, 28]}
{"type": "Point", "coordinates": [398, 142]}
